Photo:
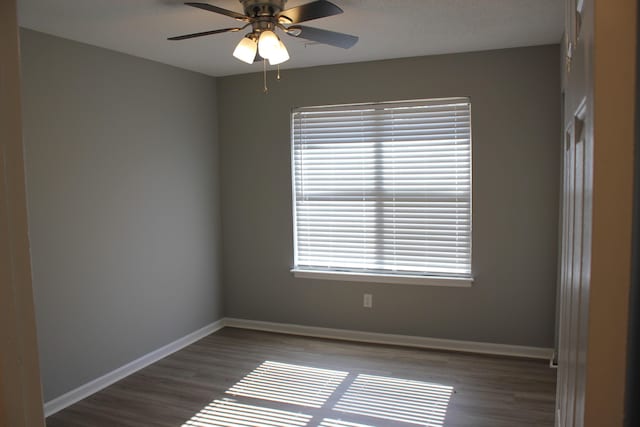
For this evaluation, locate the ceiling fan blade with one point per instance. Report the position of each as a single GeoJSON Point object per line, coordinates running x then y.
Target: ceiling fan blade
{"type": "Point", "coordinates": [216, 9]}
{"type": "Point", "coordinates": [204, 33]}
{"type": "Point", "coordinates": [331, 38]}
{"type": "Point", "coordinates": [309, 11]}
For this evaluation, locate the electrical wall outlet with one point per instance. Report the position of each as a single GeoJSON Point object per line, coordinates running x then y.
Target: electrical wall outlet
{"type": "Point", "coordinates": [368, 301]}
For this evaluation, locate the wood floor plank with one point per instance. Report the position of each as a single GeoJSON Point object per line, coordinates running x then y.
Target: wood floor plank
{"type": "Point", "coordinates": [384, 386]}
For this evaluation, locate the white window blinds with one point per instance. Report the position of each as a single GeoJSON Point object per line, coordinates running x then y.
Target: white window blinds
{"type": "Point", "coordinates": [383, 188]}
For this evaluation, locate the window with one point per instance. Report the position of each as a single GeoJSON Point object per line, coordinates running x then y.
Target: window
{"type": "Point", "coordinates": [382, 191]}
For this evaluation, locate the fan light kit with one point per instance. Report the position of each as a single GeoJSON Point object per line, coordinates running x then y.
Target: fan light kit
{"type": "Point", "coordinates": [265, 17]}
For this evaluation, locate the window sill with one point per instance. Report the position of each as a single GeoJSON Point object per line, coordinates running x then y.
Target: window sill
{"type": "Point", "coordinates": [456, 282]}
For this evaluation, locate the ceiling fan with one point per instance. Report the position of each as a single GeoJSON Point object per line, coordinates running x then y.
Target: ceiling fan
{"type": "Point", "coordinates": [267, 16]}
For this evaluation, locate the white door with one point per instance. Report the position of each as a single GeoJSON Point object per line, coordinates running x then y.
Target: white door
{"type": "Point", "coordinates": [576, 217]}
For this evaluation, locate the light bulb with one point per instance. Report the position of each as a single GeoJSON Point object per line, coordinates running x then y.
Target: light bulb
{"type": "Point", "coordinates": [268, 44]}
{"type": "Point", "coordinates": [246, 50]}
{"type": "Point", "coordinates": [280, 55]}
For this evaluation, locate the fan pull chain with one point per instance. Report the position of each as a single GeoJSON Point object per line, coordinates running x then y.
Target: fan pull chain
{"type": "Point", "coordinates": [278, 77]}
{"type": "Point", "coordinates": [264, 68]}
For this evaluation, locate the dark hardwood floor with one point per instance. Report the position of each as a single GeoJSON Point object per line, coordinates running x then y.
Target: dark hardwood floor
{"type": "Point", "coordinates": [245, 378]}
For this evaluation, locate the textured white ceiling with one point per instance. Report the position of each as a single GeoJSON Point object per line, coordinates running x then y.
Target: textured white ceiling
{"type": "Point", "coordinates": [387, 29]}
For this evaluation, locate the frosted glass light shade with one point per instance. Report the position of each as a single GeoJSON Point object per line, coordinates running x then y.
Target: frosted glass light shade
{"type": "Point", "coordinates": [280, 55]}
{"type": "Point", "coordinates": [268, 44]}
{"type": "Point", "coordinates": [246, 50]}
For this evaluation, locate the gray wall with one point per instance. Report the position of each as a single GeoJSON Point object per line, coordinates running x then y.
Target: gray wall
{"type": "Point", "coordinates": [515, 109]}
{"type": "Point", "coordinates": [122, 180]}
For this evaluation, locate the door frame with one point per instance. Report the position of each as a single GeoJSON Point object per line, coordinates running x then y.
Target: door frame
{"type": "Point", "coordinates": [20, 387]}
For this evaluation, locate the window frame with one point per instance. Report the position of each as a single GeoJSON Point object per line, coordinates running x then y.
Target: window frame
{"type": "Point", "coordinates": [339, 274]}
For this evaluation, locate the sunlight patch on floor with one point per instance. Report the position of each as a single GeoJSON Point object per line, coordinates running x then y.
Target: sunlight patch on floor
{"type": "Point", "coordinates": [328, 422]}
{"type": "Point", "coordinates": [307, 390]}
{"type": "Point", "coordinates": [408, 401]}
{"type": "Point", "coordinates": [229, 413]}
{"type": "Point", "coordinates": [295, 384]}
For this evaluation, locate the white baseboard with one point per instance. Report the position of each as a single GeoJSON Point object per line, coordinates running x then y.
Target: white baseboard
{"type": "Point", "coordinates": [86, 390]}
{"type": "Point", "coordinates": [391, 339]}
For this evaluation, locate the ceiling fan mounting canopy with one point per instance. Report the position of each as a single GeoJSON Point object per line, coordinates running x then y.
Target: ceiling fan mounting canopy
{"type": "Point", "coordinates": [257, 8]}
